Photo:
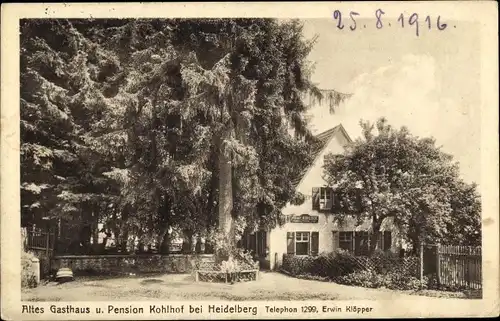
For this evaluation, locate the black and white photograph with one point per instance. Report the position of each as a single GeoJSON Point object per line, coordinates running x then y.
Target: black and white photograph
{"type": "Point", "coordinates": [240, 159]}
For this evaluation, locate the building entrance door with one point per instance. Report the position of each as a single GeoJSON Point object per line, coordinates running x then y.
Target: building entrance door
{"type": "Point", "coordinates": [256, 243]}
{"type": "Point", "coordinates": [261, 251]}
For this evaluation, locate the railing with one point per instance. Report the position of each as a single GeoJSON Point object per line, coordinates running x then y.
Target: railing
{"type": "Point", "coordinates": [37, 240]}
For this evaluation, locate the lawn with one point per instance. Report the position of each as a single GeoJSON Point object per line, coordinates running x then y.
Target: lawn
{"type": "Point", "coordinates": [270, 286]}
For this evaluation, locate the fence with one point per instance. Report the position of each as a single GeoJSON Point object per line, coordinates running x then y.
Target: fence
{"type": "Point", "coordinates": [334, 265]}
{"type": "Point", "coordinates": [454, 266]}
{"type": "Point", "coordinates": [41, 244]}
{"type": "Point", "coordinates": [37, 240]}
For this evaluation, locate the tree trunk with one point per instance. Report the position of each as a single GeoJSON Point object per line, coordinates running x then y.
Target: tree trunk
{"type": "Point", "coordinates": [165, 242]}
{"type": "Point", "coordinates": [140, 246]}
{"type": "Point", "coordinates": [225, 191]}
{"type": "Point", "coordinates": [95, 230]}
{"type": "Point", "coordinates": [225, 204]}
{"type": "Point", "coordinates": [373, 241]}
{"type": "Point", "coordinates": [124, 242]}
{"type": "Point", "coordinates": [414, 237]}
{"type": "Point", "coordinates": [211, 208]}
{"type": "Point", "coordinates": [164, 246]}
{"type": "Point", "coordinates": [187, 244]}
{"type": "Point", "coordinates": [375, 234]}
{"type": "Point", "coordinates": [416, 246]}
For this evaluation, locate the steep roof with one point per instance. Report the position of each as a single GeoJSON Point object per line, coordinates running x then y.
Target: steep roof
{"type": "Point", "coordinates": [322, 141]}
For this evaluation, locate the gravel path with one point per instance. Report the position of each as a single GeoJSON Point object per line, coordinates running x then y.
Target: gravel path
{"type": "Point", "coordinates": [270, 286]}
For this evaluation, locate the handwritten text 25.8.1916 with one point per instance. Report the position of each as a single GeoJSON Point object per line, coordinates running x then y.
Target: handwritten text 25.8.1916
{"type": "Point", "coordinates": [412, 21]}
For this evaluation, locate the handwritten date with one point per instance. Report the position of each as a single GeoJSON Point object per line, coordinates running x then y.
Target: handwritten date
{"type": "Point", "coordinates": [412, 21]}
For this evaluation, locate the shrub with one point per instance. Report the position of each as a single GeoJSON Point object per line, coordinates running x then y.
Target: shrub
{"type": "Point", "coordinates": [245, 259]}
{"type": "Point", "coordinates": [393, 281]}
{"type": "Point", "coordinates": [28, 277]}
{"type": "Point", "coordinates": [403, 281]}
{"type": "Point", "coordinates": [296, 265]}
{"type": "Point", "coordinates": [331, 265]}
{"type": "Point", "coordinates": [367, 279]}
{"type": "Point", "coordinates": [432, 282]}
{"type": "Point", "coordinates": [380, 270]}
{"type": "Point", "coordinates": [345, 262]}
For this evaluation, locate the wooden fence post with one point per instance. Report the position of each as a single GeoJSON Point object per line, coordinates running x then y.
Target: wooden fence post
{"type": "Point", "coordinates": [438, 264]}
{"type": "Point", "coordinates": [47, 243]}
{"type": "Point", "coordinates": [421, 262]}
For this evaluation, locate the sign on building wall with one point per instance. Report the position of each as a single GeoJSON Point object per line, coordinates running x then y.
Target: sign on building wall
{"type": "Point", "coordinates": [304, 218]}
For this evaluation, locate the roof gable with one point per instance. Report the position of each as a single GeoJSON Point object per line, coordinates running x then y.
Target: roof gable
{"type": "Point", "coordinates": [322, 141]}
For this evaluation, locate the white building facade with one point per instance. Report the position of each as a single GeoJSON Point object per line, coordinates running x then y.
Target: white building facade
{"type": "Point", "coordinates": [311, 228]}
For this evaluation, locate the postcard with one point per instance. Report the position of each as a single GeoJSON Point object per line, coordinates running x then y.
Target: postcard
{"type": "Point", "coordinates": [249, 160]}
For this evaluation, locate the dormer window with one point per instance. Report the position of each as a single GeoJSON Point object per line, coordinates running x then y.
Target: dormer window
{"type": "Point", "coordinates": [325, 198]}
{"type": "Point", "coordinates": [322, 198]}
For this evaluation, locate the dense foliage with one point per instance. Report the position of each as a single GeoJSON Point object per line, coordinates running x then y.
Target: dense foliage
{"type": "Point", "coordinates": [148, 125]}
{"type": "Point", "coordinates": [380, 270]}
{"type": "Point", "coordinates": [395, 175]}
{"type": "Point", "coordinates": [393, 281]}
{"type": "Point", "coordinates": [28, 277]}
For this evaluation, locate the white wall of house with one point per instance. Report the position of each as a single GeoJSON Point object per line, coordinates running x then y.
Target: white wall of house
{"type": "Point", "coordinates": [314, 176]}
{"type": "Point", "coordinates": [326, 223]}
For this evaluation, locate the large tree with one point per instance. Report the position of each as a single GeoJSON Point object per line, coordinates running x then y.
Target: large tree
{"type": "Point", "coordinates": [58, 106]}
{"type": "Point", "coordinates": [247, 76]}
{"type": "Point", "coordinates": [393, 174]}
{"type": "Point", "coordinates": [163, 123]}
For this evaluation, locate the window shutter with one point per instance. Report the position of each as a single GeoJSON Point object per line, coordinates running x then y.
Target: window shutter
{"type": "Point", "coordinates": [315, 198]}
{"type": "Point", "coordinates": [353, 241]}
{"type": "Point", "coordinates": [290, 243]}
{"type": "Point", "coordinates": [379, 241]}
{"type": "Point", "coordinates": [314, 243]}
{"type": "Point", "coordinates": [263, 243]}
{"type": "Point", "coordinates": [329, 205]}
{"type": "Point", "coordinates": [336, 240]}
{"type": "Point", "coordinates": [336, 201]}
{"type": "Point", "coordinates": [253, 242]}
{"type": "Point", "coordinates": [387, 240]}
{"type": "Point", "coordinates": [357, 240]}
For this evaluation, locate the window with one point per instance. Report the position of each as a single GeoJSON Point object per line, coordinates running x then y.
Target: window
{"type": "Point", "coordinates": [325, 198]}
{"type": "Point", "coordinates": [362, 242]}
{"type": "Point", "coordinates": [322, 198]}
{"type": "Point", "coordinates": [303, 243]}
{"type": "Point", "coordinates": [345, 240]}
{"type": "Point", "coordinates": [359, 241]}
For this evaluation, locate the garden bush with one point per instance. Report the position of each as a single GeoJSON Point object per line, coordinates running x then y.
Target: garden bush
{"type": "Point", "coordinates": [391, 280]}
{"type": "Point", "coordinates": [28, 276]}
{"type": "Point", "coordinates": [330, 265]}
{"type": "Point", "coordinates": [367, 279]}
{"type": "Point", "coordinates": [404, 281]}
{"type": "Point", "coordinates": [380, 270]}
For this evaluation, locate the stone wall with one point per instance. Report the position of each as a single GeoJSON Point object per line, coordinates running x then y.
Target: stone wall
{"type": "Point", "coordinates": [121, 264]}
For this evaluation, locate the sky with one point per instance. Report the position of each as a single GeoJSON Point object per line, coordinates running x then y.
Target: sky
{"type": "Point", "coordinates": [429, 83]}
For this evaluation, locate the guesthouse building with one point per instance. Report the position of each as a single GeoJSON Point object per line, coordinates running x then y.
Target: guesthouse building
{"type": "Point", "coordinates": [311, 228]}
